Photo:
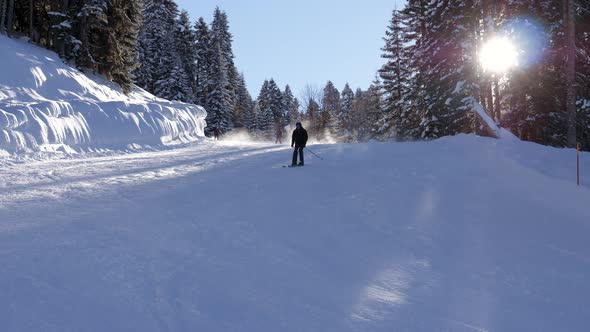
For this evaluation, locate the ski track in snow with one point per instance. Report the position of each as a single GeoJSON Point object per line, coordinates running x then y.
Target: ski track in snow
{"type": "Point", "coordinates": [461, 234]}
{"type": "Point", "coordinates": [48, 181]}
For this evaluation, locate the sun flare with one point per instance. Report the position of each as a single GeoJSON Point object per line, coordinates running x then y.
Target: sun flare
{"type": "Point", "coordinates": [498, 55]}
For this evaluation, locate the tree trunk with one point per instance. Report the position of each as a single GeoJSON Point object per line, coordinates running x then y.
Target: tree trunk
{"type": "Point", "coordinates": [490, 98]}
{"type": "Point", "coordinates": [58, 41]}
{"type": "Point", "coordinates": [497, 100]}
{"type": "Point", "coordinates": [571, 73]}
{"type": "Point", "coordinates": [491, 83]}
{"type": "Point", "coordinates": [31, 19]}
{"type": "Point", "coordinates": [2, 15]}
{"type": "Point", "coordinates": [83, 36]}
{"type": "Point", "coordinates": [9, 17]}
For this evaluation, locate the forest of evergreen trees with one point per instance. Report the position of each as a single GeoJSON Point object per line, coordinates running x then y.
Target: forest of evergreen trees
{"type": "Point", "coordinates": [98, 35]}
{"type": "Point", "coordinates": [428, 87]}
{"type": "Point", "coordinates": [432, 78]}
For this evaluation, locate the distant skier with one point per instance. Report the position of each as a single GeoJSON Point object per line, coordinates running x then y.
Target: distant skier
{"type": "Point", "coordinates": [299, 140]}
{"type": "Point", "coordinates": [279, 136]}
{"type": "Point", "coordinates": [216, 133]}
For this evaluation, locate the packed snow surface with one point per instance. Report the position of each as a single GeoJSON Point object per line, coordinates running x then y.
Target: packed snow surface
{"type": "Point", "coordinates": [460, 234]}
{"type": "Point", "coordinates": [46, 105]}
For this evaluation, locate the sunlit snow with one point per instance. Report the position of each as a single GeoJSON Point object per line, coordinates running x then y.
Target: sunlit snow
{"type": "Point", "coordinates": [45, 103]}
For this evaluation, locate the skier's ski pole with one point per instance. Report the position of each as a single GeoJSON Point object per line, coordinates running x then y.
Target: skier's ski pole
{"type": "Point", "coordinates": [313, 153]}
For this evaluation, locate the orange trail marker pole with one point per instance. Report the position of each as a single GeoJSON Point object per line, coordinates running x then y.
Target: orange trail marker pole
{"type": "Point", "coordinates": [578, 163]}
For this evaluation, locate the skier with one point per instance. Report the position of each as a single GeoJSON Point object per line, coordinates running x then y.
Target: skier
{"type": "Point", "coordinates": [216, 133]}
{"type": "Point", "coordinates": [279, 136]}
{"type": "Point", "coordinates": [298, 140]}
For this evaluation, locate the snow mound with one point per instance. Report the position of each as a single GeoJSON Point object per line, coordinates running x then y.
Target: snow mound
{"type": "Point", "coordinates": [46, 105]}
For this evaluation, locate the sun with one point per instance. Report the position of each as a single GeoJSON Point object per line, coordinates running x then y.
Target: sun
{"type": "Point", "coordinates": [498, 55]}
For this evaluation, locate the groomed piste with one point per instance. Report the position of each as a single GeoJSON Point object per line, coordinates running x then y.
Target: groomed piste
{"type": "Point", "coordinates": [461, 234]}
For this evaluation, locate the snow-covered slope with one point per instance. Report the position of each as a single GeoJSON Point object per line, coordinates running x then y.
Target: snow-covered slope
{"type": "Point", "coordinates": [463, 234]}
{"type": "Point", "coordinates": [45, 104]}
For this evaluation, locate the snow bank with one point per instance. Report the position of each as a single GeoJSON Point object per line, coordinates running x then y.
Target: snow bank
{"type": "Point", "coordinates": [46, 105]}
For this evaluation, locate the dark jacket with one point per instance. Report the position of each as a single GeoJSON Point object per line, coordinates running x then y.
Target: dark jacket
{"type": "Point", "coordinates": [299, 137]}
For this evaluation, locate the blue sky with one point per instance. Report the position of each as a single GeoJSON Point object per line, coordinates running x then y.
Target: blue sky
{"type": "Point", "coordinates": [303, 41]}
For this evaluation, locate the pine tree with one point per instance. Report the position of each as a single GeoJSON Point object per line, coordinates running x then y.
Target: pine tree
{"type": "Point", "coordinates": [99, 35]}
{"type": "Point", "coordinates": [157, 44]}
{"type": "Point", "coordinates": [60, 30]}
{"type": "Point", "coordinates": [291, 106]}
{"type": "Point", "coordinates": [372, 119]}
{"type": "Point", "coordinates": [399, 118]}
{"type": "Point", "coordinates": [265, 124]}
{"type": "Point", "coordinates": [415, 22]}
{"type": "Point", "coordinates": [533, 95]}
{"type": "Point", "coordinates": [3, 5]}
{"type": "Point", "coordinates": [92, 25]}
{"type": "Point", "coordinates": [9, 16]}
{"type": "Point", "coordinates": [395, 73]}
{"type": "Point", "coordinates": [271, 98]}
{"type": "Point", "coordinates": [166, 43]}
{"type": "Point", "coordinates": [220, 100]}
{"type": "Point", "coordinates": [295, 113]}
{"type": "Point", "coordinates": [570, 76]}
{"type": "Point", "coordinates": [445, 84]}
{"type": "Point", "coordinates": [358, 115]}
{"type": "Point", "coordinates": [121, 60]}
{"type": "Point", "coordinates": [583, 74]}
{"type": "Point", "coordinates": [328, 122]}
{"type": "Point", "coordinates": [344, 117]}
{"type": "Point", "coordinates": [220, 34]}
{"type": "Point", "coordinates": [33, 35]}
{"type": "Point", "coordinates": [313, 113]}
{"type": "Point", "coordinates": [252, 119]}
{"type": "Point", "coordinates": [203, 55]}
{"type": "Point", "coordinates": [489, 84]}
{"type": "Point", "coordinates": [276, 103]}
{"type": "Point", "coordinates": [221, 43]}
{"type": "Point", "coordinates": [176, 86]}
{"type": "Point", "coordinates": [448, 72]}
{"type": "Point", "coordinates": [263, 99]}
{"type": "Point", "coordinates": [185, 44]}
{"type": "Point", "coordinates": [244, 106]}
